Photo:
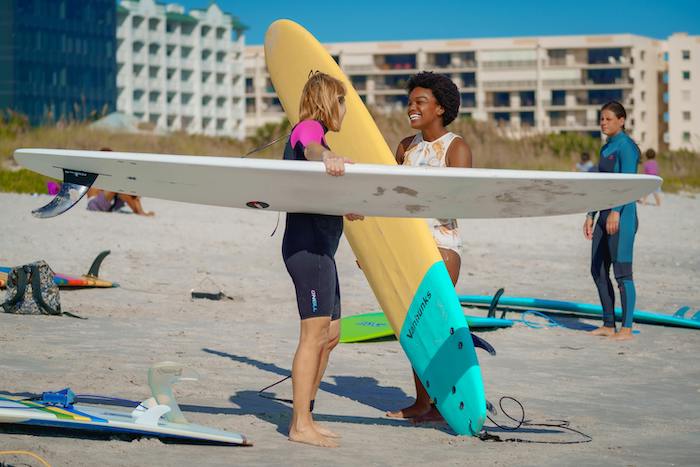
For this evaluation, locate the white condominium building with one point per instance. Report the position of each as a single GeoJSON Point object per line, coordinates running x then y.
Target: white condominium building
{"type": "Point", "coordinates": [524, 85]}
{"type": "Point", "coordinates": [181, 71]}
{"type": "Point", "coordinates": [682, 95]}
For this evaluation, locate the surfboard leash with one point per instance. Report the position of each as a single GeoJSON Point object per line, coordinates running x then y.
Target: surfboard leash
{"type": "Point", "coordinates": [266, 145]}
{"type": "Point", "coordinates": [260, 148]}
{"type": "Point", "coordinates": [522, 422]}
{"type": "Point", "coordinates": [262, 394]}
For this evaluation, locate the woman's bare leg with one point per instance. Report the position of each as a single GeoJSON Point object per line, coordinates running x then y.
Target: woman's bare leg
{"type": "Point", "coordinates": [313, 337]}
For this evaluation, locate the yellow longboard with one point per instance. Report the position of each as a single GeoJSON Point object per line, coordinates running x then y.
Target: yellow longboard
{"type": "Point", "coordinates": [398, 256]}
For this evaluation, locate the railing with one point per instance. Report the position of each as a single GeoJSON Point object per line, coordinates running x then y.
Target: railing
{"type": "Point", "coordinates": [139, 57]}
{"type": "Point", "coordinates": [509, 84]}
{"type": "Point", "coordinates": [563, 123]}
{"type": "Point", "coordinates": [223, 66]}
{"type": "Point", "coordinates": [138, 34]}
{"type": "Point", "coordinates": [509, 64]}
{"type": "Point", "coordinates": [187, 86]}
{"type": "Point", "coordinates": [208, 109]}
{"type": "Point", "coordinates": [360, 68]}
{"type": "Point", "coordinates": [138, 106]}
{"type": "Point", "coordinates": [273, 108]}
{"type": "Point", "coordinates": [453, 65]}
{"type": "Point", "coordinates": [187, 109]}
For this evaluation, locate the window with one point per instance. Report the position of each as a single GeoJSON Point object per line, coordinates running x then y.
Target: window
{"type": "Point", "coordinates": [644, 134]}
{"type": "Point", "coordinates": [686, 75]}
{"type": "Point", "coordinates": [642, 75]}
{"type": "Point", "coordinates": [686, 115]}
{"type": "Point", "coordinates": [641, 55]}
{"type": "Point", "coordinates": [643, 115]}
{"type": "Point", "coordinates": [643, 95]}
{"type": "Point", "coordinates": [686, 137]}
{"type": "Point", "coordinates": [686, 54]}
{"type": "Point", "coordinates": [685, 95]}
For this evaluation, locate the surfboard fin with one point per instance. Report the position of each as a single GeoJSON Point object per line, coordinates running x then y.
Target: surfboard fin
{"type": "Point", "coordinates": [75, 186]}
{"type": "Point", "coordinates": [494, 303]}
{"type": "Point", "coordinates": [95, 267]}
{"type": "Point", "coordinates": [482, 344]}
{"type": "Point", "coordinates": [161, 378]}
{"type": "Point", "coordinates": [681, 312]}
{"type": "Point", "coordinates": [149, 412]}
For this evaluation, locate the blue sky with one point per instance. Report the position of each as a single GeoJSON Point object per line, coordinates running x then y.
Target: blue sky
{"type": "Point", "coordinates": [374, 20]}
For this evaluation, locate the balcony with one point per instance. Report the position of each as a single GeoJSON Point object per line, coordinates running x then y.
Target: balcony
{"type": "Point", "coordinates": [586, 84]}
{"type": "Point", "coordinates": [207, 65]}
{"type": "Point", "coordinates": [524, 84]}
{"type": "Point", "coordinates": [223, 66]}
{"type": "Point", "coordinates": [187, 86]}
{"type": "Point", "coordinates": [155, 83]}
{"type": "Point", "coordinates": [138, 34]}
{"type": "Point", "coordinates": [360, 69]}
{"type": "Point", "coordinates": [138, 106]}
{"type": "Point", "coordinates": [577, 124]}
{"type": "Point", "coordinates": [139, 57]}
{"type": "Point", "coordinates": [501, 64]}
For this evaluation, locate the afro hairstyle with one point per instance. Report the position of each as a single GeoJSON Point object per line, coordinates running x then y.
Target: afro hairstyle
{"type": "Point", "coordinates": [445, 91]}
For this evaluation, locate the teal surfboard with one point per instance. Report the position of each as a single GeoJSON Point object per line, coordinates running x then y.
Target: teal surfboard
{"type": "Point", "coordinates": [583, 309]}
{"type": "Point", "coordinates": [370, 326]}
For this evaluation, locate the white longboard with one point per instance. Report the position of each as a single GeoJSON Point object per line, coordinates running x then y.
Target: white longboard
{"type": "Point", "coordinates": [91, 418]}
{"type": "Point", "coordinates": [371, 190]}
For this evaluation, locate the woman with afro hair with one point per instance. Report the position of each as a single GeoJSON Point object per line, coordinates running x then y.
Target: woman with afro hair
{"type": "Point", "coordinates": [433, 103]}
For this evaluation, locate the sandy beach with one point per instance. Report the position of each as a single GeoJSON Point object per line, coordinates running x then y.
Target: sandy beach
{"type": "Point", "coordinates": [638, 400]}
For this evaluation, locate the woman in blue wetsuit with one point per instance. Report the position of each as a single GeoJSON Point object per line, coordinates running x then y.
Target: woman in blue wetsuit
{"type": "Point", "coordinates": [613, 233]}
{"type": "Point", "coordinates": [308, 248]}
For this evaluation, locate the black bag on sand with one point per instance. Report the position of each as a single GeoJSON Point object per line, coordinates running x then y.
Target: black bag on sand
{"type": "Point", "coordinates": [32, 291]}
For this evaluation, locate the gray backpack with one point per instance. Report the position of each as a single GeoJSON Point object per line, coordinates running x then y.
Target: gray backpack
{"type": "Point", "coordinates": [32, 291]}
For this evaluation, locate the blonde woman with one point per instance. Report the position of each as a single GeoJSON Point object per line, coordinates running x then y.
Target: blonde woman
{"type": "Point", "coordinates": [308, 248]}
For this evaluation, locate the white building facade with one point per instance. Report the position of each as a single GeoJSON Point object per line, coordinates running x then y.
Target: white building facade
{"type": "Point", "coordinates": [181, 71]}
{"type": "Point", "coordinates": [683, 92]}
{"type": "Point", "coordinates": [524, 85]}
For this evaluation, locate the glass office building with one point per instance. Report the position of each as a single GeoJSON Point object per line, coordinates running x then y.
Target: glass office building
{"type": "Point", "coordinates": [58, 58]}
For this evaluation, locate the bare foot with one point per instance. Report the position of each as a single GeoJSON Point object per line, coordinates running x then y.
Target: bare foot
{"type": "Point", "coordinates": [415, 410]}
{"type": "Point", "coordinates": [625, 334]}
{"type": "Point", "coordinates": [325, 431]}
{"type": "Point", "coordinates": [312, 437]}
{"type": "Point", "coordinates": [431, 416]}
{"type": "Point", "coordinates": [603, 331]}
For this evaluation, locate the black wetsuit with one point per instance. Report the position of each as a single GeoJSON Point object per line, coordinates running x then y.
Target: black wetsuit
{"type": "Point", "coordinates": [311, 240]}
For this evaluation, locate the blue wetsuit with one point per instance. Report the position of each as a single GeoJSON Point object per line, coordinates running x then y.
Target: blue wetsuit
{"type": "Point", "coordinates": [619, 155]}
{"type": "Point", "coordinates": [311, 240]}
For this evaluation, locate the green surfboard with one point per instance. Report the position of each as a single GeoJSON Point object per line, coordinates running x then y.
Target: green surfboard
{"type": "Point", "coordinates": [370, 326]}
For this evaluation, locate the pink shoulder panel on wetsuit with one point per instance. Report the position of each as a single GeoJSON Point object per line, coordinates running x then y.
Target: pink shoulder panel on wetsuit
{"type": "Point", "coordinates": [308, 131]}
